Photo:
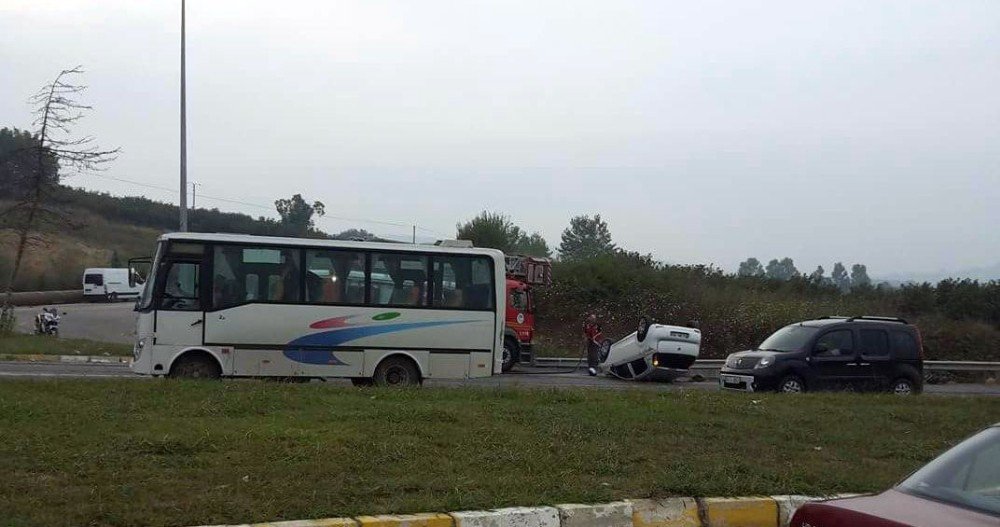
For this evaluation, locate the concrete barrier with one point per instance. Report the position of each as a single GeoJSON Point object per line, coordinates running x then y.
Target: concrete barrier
{"type": "Point", "coordinates": [429, 519]}
{"type": "Point", "coordinates": [325, 522]}
{"type": "Point", "coordinates": [39, 298]}
{"type": "Point", "coordinates": [510, 517]}
{"type": "Point", "coordinates": [740, 512]}
{"type": "Point", "coordinates": [669, 512]}
{"type": "Point", "coordinates": [616, 514]}
{"type": "Point", "coordinates": [763, 511]}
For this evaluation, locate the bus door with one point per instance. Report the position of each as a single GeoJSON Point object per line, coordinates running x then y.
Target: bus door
{"type": "Point", "coordinates": [179, 296]}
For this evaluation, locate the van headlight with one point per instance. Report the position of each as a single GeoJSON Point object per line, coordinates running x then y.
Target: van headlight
{"type": "Point", "coordinates": [764, 362]}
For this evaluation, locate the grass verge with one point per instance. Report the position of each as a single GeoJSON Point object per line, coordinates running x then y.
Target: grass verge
{"type": "Point", "coordinates": [175, 453]}
{"type": "Point", "coordinates": [19, 344]}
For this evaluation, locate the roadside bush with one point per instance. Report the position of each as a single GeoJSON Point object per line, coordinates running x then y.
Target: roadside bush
{"type": "Point", "coordinates": [737, 313]}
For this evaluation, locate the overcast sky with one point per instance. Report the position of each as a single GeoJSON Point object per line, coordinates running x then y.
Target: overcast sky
{"type": "Point", "coordinates": [703, 132]}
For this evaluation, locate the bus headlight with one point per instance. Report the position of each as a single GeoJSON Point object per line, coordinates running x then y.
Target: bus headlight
{"type": "Point", "coordinates": [137, 350]}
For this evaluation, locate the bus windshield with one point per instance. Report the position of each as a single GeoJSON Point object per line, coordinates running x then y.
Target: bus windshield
{"type": "Point", "coordinates": [146, 297]}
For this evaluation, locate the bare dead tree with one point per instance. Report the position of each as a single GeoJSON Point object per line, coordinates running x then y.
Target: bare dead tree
{"type": "Point", "coordinates": [36, 169]}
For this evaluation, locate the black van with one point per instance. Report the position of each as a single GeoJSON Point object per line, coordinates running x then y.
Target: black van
{"type": "Point", "coordinates": [854, 353]}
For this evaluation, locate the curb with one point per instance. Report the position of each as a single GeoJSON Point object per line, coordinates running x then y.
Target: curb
{"type": "Point", "coordinates": [97, 359]}
{"type": "Point", "coordinates": [755, 511]}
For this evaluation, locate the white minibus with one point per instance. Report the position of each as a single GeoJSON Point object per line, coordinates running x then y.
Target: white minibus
{"type": "Point", "coordinates": [226, 305]}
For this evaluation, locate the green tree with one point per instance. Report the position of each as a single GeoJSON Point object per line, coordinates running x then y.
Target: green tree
{"type": "Point", "coordinates": [817, 277]}
{"type": "Point", "coordinates": [534, 245]}
{"type": "Point", "coordinates": [33, 166]}
{"type": "Point", "coordinates": [586, 238]}
{"type": "Point", "coordinates": [859, 276]}
{"type": "Point", "coordinates": [18, 158]}
{"type": "Point", "coordinates": [751, 267]}
{"type": "Point", "coordinates": [356, 234]}
{"type": "Point", "coordinates": [783, 269]}
{"type": "Point", "coordinates": [492, 229]}
{"type": "Point", "coordinates": [840, 278]}
{"type": "Point", "coordinates": [297, 215]}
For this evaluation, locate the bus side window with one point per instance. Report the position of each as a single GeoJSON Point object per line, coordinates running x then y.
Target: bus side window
{"type": "Point", "coordinates": [335, 277]}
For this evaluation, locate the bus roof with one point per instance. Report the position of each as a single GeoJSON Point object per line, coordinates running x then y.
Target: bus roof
{"type": "Point", "coordinates": [328, 243]}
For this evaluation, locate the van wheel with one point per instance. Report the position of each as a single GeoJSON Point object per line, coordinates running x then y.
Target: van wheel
{"type": "Point", "coordinates": [195, 367]}
{"type": "Point", "coordinates": [397, 371]}
{"type": "Point", "coordinates": [361, 381]}
{"type": "Point", "coordinates": [903, 386]}
{"type": "Point", "coordinates": [112, 297]}
{"type": "Point", "coordinates": [791, 384]}
{"type": "Point", "coordinates": [511, 355]}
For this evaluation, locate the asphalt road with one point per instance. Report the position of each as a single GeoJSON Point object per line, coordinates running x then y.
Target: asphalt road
{"type": "Point", "coordinates": [54, 370]}
{"type": "Point", "coordinates": [101, 321]}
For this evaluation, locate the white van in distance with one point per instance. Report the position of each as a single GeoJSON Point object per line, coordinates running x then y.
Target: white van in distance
{"type": "Point", "coordinates": [109, 284]}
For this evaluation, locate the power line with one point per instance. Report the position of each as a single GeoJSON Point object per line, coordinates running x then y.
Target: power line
{"type": "Point", "coordinates": [264, 207]}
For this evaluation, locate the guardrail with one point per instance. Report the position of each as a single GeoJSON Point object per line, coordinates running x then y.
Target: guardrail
{"type": "Point", "coordinates": [714, 365]}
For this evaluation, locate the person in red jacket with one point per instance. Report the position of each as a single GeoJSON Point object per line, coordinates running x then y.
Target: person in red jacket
{"type": "Point", "coordinates": [592, 338]}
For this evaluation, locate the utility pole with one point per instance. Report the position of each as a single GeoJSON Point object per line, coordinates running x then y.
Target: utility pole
{"type": "Point", "coordinates": [183, 204]}
{"type": "Point", "coordinates": [194, 194]}
{"type": "Point", "coordinates": [414, 235]}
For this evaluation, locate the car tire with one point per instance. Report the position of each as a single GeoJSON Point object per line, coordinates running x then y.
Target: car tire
{"type": "Point", "coordinates": [195, 367]}
{"type": "Point", "coordinates": [643, 329]}
{"type": "Point", "coordinates": [511, 354]}
{"type": "Point", "coordinates": [791, 384]}
{"type": "Point", "coordinates": [397, 371]}
{"type": "Point", "coordinates": [903, 386]}
{"type": "Point", "coordinates": [602, 355]}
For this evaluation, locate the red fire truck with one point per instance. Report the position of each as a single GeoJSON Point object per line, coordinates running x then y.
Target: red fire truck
{"type": "Point", "coordinates": [523, 273]}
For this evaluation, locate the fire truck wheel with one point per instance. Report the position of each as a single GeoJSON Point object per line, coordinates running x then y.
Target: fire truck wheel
{"type": "Point", "coordinates": [510, 354]}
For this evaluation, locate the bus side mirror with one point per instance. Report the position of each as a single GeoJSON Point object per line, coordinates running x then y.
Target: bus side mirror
{"type": "Point", "coordinates": [138, 270]}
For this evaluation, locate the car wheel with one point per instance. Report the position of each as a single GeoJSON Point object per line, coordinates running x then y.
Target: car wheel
{"type": "Point", "coordinates": [397, 371]}
{"type": "Point", "coordinates": [602, 355]}
{"type": "Point", "coordinates": [903, 386]}
{"type": "Point", "coordinates": [643, 329]}
{"type": "Point", "coordinates": [791, 384]}
{"type": "Point", "coordinates": [195, 367]}
{"type": "Point", "coordinates": [510, 355]}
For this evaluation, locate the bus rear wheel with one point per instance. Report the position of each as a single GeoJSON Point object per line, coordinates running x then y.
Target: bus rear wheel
{"type": "Point", "coordinates": [397, 371]}
{"type": "Point", "coordinates": [195, 367]}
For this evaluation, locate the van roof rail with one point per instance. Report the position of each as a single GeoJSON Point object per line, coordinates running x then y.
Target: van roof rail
{"type": "Point", "coordinates": [827, 317]}
{"type": "Point", "coordinates": [878, 318]}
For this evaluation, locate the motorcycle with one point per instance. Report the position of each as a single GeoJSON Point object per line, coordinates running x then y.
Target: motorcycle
{"type": "Point", "coordinates": [47, 322]}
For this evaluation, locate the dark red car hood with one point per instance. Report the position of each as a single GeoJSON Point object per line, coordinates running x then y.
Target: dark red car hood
{"type": "Point", "coordinates": [892, 508]}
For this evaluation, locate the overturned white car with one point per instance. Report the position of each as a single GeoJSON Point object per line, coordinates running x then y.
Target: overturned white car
{"type": "Point", "coordinates": [653, 351]}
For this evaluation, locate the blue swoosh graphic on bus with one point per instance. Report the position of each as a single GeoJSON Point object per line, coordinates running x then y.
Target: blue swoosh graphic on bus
{"type": "Point", "coordinates": [330, 339]}
{"type": "Point", "coordinates": [324, 357]}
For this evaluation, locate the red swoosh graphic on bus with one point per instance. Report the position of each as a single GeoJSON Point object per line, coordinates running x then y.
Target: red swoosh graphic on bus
{"type": "Point", "coordinates": [337, 322]}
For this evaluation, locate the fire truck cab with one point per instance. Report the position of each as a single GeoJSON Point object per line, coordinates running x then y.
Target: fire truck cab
{"type": "Point", "coordinates": [523, 273]}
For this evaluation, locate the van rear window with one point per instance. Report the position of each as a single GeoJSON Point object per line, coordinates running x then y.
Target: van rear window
{"type": "Point", "coordinates": [93, 279]}
{"type": "Point", "coordinates": [904, 346]}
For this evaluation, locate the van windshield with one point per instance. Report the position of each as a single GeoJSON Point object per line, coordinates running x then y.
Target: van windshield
{"type": "Point", "coordinates": [789, 338]}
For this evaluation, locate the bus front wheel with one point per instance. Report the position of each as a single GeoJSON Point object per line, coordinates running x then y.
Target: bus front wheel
{"type": "Point", "coordinates": [397, 371]}
{"type": "Point", "coordinates": [195, 366]}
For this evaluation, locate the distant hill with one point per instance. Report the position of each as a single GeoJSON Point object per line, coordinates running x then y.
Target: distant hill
{"type": "Point", "coordinates": [108, 230]}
